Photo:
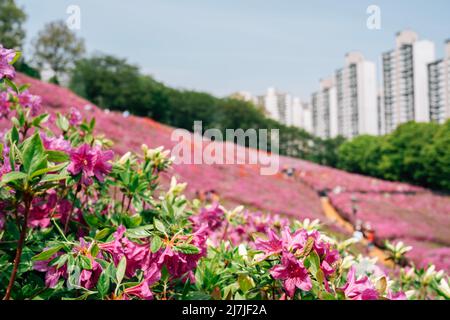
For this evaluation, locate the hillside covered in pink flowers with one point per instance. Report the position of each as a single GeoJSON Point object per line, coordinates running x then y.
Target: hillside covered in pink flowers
{"type": "Point", "coordinates": [396, 211]}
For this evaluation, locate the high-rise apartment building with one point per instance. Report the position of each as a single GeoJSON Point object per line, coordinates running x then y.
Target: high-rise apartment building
{"type": "Point", "coordinates": [439, 87]}
{"type": "Point", "coordinates": [324, 109]}
{"type": "Point", "coordinates": [405, 80]}
{"type": "Point", "coordinates": [356, 90]}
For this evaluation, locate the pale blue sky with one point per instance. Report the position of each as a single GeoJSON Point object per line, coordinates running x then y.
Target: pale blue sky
{"type": "Point", "coordinates": [230, 45]}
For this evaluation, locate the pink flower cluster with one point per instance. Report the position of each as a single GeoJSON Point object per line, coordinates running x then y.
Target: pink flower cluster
{"type": "Point", "coordinates": [30, 101]}
{"type": "Point", "coordinates": [291, 270]}
{"type": "Point", "coordinates": [46, 207]}
{"type": "Point", "coordinates": [6, 57]}
{"type": "Point", "coordinates": [90, 162]}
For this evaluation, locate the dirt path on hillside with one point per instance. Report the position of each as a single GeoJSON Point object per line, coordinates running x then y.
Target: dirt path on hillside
{"type": "Point", "coordinates": [332, 214]}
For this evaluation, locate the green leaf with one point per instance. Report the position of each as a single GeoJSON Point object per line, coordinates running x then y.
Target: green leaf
{"type": "Point", "coordinates": [121, 267]}
{"type": "Point", "coordinates": [315, 262]}
{"type": "Point", "coordinates": [49, 169]}
{"type": "Point", "coordinates": [40, 119]}
{"type": "Point", "coordinates": [16, 57]}
{"type": "Point", "coordinates": [156, 244]}
{"type": "Point", "coordinates": [57, 156]}
{"type": "Point", "coordinates": [13, 176]}
{"type": "Point", "coordinates": [86, 263]}
{"type": "Point", "coordinates": [323, 295]}
{"type": "Point", "coordinates": [47, 254]}
{"type": "Point", "coordinates": [11, 84]}
{"type": "Point", "coordinates": [159, 225]}
{"type": "Point", "coordinates": [24, 87]}
{"type": "Point", "coordinates": [187, 248]}
{"type": "Point", "coordinates": [103, 284]}
{"type": "Point", "coordinates": [54, 177]}
{"type": "Point", "coordinates": [33, 153]}
{"type": "Point", "coordinates": [62, 123]}
{"type": "Point", "coordinates": [14, 135]}
{"type": "Point", "coordinates": [102, 234]}
{"type": "Point", "coordinates": [245, 282]}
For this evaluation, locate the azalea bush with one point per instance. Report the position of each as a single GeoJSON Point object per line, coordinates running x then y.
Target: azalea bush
{"type": "Point", "coordinates": [79, 222]}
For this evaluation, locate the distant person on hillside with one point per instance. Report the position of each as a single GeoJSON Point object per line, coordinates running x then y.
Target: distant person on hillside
{"type": "Point", "coordinates": [358, 234]}
{"type": "Point", "coordinates": [200, 195]}
{"type": "Point", "coordinates": [370, 236]}
{"type": "Point", "coordinates": [354, 206]}
{"type": "Point", "coordinates": [212, 196]}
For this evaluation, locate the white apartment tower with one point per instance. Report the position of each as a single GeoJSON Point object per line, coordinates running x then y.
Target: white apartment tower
{"type": "Point", "coordinates": [405, 80]}
{"type": "Point", "coordinates": [324, 110]}
{"type": "Point", "coordinates": [279, 106]}
{"type": "Point", "coordinates": [306, 119]}
{"type": "Point", "coordinates": [356, 89]}
{"type": "Point", "coordinates": [439, 87]}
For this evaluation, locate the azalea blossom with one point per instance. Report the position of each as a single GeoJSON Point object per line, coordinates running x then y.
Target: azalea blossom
{"type": "Point", "coordinates": [293, 273]}
{"type": "Point", "coordinates": [53, 274]}
{"type": "Point", "coordinates": [55, 143]}
{"type": "Point", "coordinates": [40, 211]}
{"type": "Point", "coordinates": [82, 160]}
{"type": "Point", "coordinates": [138, 255]}
{"type": "Point", "coordinates": [4, 104]}
{"type": "Point", "coordinates": [102, 166]}
{"type": "Point", "coordinates": [88, 278]}
{"type": "Point", "coordinates": [90, 162]}
{"type": "Point", "coordinates": [213, 216]}
{"type": "Point", "coordinates": [6, 57]}
{"type": "Point", "coordinates": [142, 290]}
{"type": "Point", "coordinates": [361, 289]}
{"type": "Point", "coordinates": [75, 117]}
{"type": "Point", "coordinates": [33, 102]}
{"type": "Point", "coordinates": [274, 245]}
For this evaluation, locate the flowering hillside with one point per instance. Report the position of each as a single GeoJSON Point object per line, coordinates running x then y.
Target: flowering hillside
{"type": "Point", "coordinates": [243, 184]}
{"type": "Point", "coordinates": [81, 221]}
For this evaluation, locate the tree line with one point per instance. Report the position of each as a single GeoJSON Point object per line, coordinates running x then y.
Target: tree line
{"type": "Point", "coordinates": [417, 153]}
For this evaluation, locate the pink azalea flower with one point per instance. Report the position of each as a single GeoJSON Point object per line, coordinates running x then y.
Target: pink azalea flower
{"type": "Point", "coordinates": [138, 255]}
{"type": "Point", "coordinates": [293, 273]}
{"type": "Point", "coordinates": [30, 101]}
{"type": "Point", "coordinates": [274, 245]}
{"type": "Point", "coordinates": [180, 265]}
{"type": "Point", "coordinates": [142, 290]}
{"type": "Point", "coordinates": [89, 278]}
{"type": "Point", "coordinates": [4, 105]}
{"type": "Point", "coordinates": [55, 143]}
{"type": "Point", "coordinates": [64, 209]}
{"type": "Point", "coordinates": [83, 161]}
{"type": "Point", "coordinates": [75, 117]}
{"type": "Point", "coordinates": [6, 57]}
{"type": "Point", "coordinates": [41, 210]}
{"type": "Point", "coordinates": [52, 273]}
{"type": "Point", "coordinates": [212, 216]}
{"type": "Point", "coordinates": [102, 167]}
{"type": "Point", "coordinates": [396, 296]}
{"type": "Point", "coordinates": [361, 289]}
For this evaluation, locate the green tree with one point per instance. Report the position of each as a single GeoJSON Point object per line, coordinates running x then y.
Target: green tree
{"type": "Point", "coordinates": [113, 83]}
{"type": "Point", "coordinates": [325, 151]}
{"type": "Point", "coordinates": [436, 156]}
{"type": "Point", "coordinates": [12, 18]}
{"type": "Point", "coordinates": [402, 152]}
{"type": "Point", "coordinates": [57, 47]}
{"type": "Point", "coordinates": [360, 154]}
